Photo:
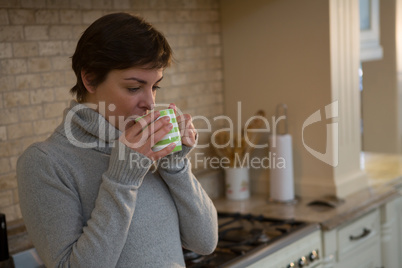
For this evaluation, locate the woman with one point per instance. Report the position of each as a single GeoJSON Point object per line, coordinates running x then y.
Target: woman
{"type": "Point", "coordinates": [87, 194]}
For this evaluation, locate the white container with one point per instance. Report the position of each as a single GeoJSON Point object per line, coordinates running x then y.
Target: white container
{"type": "Point", "coordinates": [237, 182]}
{"type": "Point", "coordinates": [281, 176]}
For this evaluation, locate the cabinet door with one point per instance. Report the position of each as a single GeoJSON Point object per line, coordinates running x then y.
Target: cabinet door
{"type": "Point", "coordinates": [390, 233]}
{"type": "Point", "coordinates": [367, 257]}
{"type": "Point", "coordinates": [357, 235]}
{"type": "Point", "coordinates": [355, 244]}
{"type": "Point", "coordinates": [399, 227]}
{"type": "Point", "coordinates": [359, 243]}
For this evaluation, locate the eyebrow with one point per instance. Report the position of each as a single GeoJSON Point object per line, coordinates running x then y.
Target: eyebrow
{"type": "Point", "coordinates": [141, 81]}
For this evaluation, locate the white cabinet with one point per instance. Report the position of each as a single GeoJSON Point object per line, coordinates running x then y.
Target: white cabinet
{"type": "Point", "coordinates": [398, 223]}
{"type": "Point", "coordinates": [399, 227]}
{"type": "Point", "coordinates": [354, 244]}
{"type": "Point", "coordinates": [391, 220]}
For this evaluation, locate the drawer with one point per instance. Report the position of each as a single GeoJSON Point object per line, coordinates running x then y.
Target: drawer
{"type": "Point", "coordinates": [369, 258]}
{"type": "Point", "coordinates": [359, 234]}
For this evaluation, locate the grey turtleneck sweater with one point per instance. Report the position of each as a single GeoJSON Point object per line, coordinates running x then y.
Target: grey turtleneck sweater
{"type": "Point", "coordinates": [89, 201]}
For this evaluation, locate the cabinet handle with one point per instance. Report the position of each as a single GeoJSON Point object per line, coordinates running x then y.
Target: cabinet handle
{"type": "Point", "coordinates": [365, 233]}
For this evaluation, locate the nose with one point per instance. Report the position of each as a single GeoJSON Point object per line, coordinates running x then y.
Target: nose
{"type": "Point", "coordinates": [147, 99]}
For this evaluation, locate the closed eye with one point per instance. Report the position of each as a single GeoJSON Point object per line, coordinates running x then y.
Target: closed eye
{"type": "Point", "coordinates": [133, 89]}
{"type": "Point", "coordinates": [156, 88]}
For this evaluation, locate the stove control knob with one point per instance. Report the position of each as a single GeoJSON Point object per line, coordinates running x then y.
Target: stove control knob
{"type": "Point", "coordinates": [291, 265]}
{"type": "Point", "coordinates": [313, 255]}
{"type": "Point", "coordinates": [302, 262]}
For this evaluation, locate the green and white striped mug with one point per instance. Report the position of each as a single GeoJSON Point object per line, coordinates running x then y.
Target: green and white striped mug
{"type": "Point", "coordinates": [172, 137]}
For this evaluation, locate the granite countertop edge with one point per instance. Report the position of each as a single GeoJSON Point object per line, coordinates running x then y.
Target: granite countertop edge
{"type": "Point", "coordinates": [352, 208]}
{"type": "Point", "coordinates": [18, 239]}
{"type": "Point", "coordinates": [359, 211]}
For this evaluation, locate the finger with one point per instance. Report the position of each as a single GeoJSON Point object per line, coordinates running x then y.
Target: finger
{"type": "Point", "coordinates": [183, 117]}
{"type": "Point", "coordinates": [129, 124]}
{"type": "Point", "coordinates": [184, 121]}
{"type": "Point", "coordinates": [143, 122]}
{"type": "Point", "coordinates": [173, 106]}
{"type": "Point", "coordinates": [146, 136]}
{"type": "Point", "coordinates": [149, 118]}
{"type": "Point", "coordinates": [146, 130]}
{"type": "Point", "coordinates": [159, 134]}
{"type": "Point", "coordinates": [164, 152]}
{"type": "Point", "coordinates": [190, 132]}
{"type": "Point", "coordinates": [137, 132]}
{"type": "Point", "coordinates": [158, 124]}
{"type": "Point", "coordinates": [187, 130]}
{"type": "Point", "coordinates": [189, 137]}
{"type": "Point", "coordinates": [188, 141]}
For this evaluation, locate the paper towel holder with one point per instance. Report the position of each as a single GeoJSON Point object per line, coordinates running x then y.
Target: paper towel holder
{"type": "Point", "coordinates": [285, 113]}
{"type": "Point", "coordinates": [282, 109]}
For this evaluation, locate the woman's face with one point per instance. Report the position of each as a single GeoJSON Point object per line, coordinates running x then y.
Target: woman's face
{"type": "Point", "coordinates": [125, 93]}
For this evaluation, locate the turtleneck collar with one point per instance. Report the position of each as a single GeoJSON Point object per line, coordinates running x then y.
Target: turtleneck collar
{"type": "Point", "coordinates": [86, 128]}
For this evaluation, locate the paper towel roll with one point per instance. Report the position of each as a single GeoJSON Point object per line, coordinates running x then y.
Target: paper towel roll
{"type": "Point", "coordinates": [281, 170]}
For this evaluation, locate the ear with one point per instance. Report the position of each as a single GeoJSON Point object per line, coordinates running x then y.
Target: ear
{"type": "Point", "coordinates": [87, 79]}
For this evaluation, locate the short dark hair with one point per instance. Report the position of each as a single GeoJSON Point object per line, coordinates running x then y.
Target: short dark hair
{"type": "Point", "coordinates": [118, 41]}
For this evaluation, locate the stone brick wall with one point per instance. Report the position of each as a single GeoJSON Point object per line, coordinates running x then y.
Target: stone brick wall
{"type": "Point", "coordinates": [37, 39]}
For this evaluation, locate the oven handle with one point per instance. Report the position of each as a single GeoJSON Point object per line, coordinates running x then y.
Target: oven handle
{"type": "Point", "coordinates": [365, 233]}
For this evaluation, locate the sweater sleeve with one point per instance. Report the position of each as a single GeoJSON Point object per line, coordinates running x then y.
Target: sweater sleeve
{"type": "Point", "coordinates": [197, 213]}
{"type": "Point", "coordinates": [53, 215]}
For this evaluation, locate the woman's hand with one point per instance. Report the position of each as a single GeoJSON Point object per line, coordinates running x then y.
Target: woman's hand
{"type": "Point", "coordinates": [187, 130]}
{"type": "Point", "coordinates": [140, 136]}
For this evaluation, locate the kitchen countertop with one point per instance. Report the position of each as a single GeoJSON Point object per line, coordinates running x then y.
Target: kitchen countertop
{"type": "Point", "coordinates": [18, 239]}
{"type": "Point", "coordinates": [383, 169]}
{"type": "Point", "coordinates": [385, 175]}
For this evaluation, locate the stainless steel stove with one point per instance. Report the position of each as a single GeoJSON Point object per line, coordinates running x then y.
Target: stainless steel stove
{"type": "Point", "coordinates": [247, 240]}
